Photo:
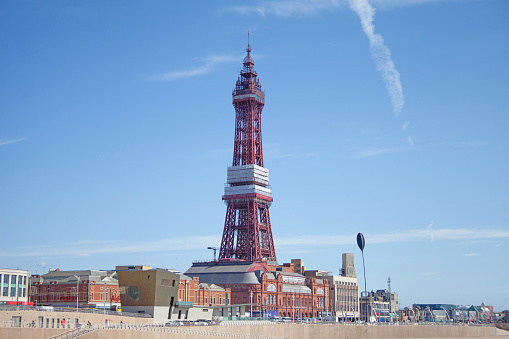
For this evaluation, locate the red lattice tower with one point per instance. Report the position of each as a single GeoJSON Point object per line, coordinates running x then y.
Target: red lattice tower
{"type": "Point", "coordinates": [247, 232]}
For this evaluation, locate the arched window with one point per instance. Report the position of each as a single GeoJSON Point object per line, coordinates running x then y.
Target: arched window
{"type": "Point", "coordinates": [271, 288]}
{"type": "Point", "coordinates": [319, 291]}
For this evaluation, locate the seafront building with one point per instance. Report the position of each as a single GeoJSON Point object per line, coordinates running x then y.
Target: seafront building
{"type": "Point", "coordinates": [93, 288]}
{"type": "Point", "coordinates": [269, 290]}
{"type": "Point", "coordinates": [377, 306]}
{"type": "Point", "coordinates": [168, 295]}
{"type": "Point", "coordinates": [344, 291]}
{"type": "Point", "coordinates": [13, 287]}
{"type": "Point", "coordinates": [455, 313]}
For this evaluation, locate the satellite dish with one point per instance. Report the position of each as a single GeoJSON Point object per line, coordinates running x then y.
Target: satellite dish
{"type": "Point", "coordinates": [360, 241]}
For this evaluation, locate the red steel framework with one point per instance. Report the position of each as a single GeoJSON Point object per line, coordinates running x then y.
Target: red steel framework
{"type": "Point", "coordinates": [247, 231]}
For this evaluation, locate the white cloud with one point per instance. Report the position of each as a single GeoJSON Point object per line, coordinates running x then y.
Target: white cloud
{"type": "Point", "coordinates": [471, 254]}
{"type": "Point", "coordinates": [4, 142]}
{"type": "Point", "coordinates": [380, 53]}
{"type": "Point", "coordinates": [401, 3]}
{"type": "Point", "coordinates": [410, 141]}
{"type": "Point", "coordinates": [404, 126]}
{"type": "Point", "coordinates": [194, 243]}
{"type": "Point", "coordinates": [415, 235]}
{"type": "Point", "coordinates": [207, 66]}
{"type": "Point", "coordinates": [90, 247]}
{"type": "Point", "coordinates": [372, 152]}
{"type": "Point", "coordinates": [431, 232]}
{"type": "Point", "coordinates": [288, 8]}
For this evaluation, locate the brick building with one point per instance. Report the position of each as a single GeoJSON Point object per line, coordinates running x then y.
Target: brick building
{"type": "Point", "coordinates": [96, 288]}
{"type": "Point", "coordinates": [191, 290]}
{"type": "Point", "coordinates": [269, 290]}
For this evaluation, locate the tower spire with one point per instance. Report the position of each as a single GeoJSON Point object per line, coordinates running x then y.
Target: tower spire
{"type": "Point", "coordinates": [247, 231]}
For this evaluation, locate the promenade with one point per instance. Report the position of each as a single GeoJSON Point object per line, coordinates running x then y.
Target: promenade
{"type": "Point", "coordinates": [108, 326]}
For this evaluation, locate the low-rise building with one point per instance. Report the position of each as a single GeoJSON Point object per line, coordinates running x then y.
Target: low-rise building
{"type": "Point", "coordinates": [168, 295]}
{"type": "Point", "coordinates": [343, 290]}
{"type": "Point", "coordinates": [377, 306]}
{"type": "Point", "coordinates": [93, 288]}
{"type": "Point", "coordinates": [268, 290]}
{"type": "Point", "coordinates": [13, 287]}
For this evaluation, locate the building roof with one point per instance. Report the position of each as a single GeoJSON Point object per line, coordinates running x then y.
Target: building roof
{"type": "Point", "coordinates": [296, 288]}
{"type": "Point", "coordinates": [70, 276]}
{"type": "Point", "coordinates": [289, 273]}
{"type": "Point", "coordinates": [212, 287]}
{"type": "Point", "coordinates": [218, 273]}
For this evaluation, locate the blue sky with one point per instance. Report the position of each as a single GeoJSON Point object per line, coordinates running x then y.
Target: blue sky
{"type": "Point", "coordinates": [384, 117]}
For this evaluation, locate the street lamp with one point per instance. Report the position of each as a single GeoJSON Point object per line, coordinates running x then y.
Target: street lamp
{"type": "Point", "coordinates": [251, 303]}
{"type": "Point", "coordinates": [361, 243]}
{"type": "Point", "coordinates": [104, 299]}
{"type": "Point", "coordinates": [293, 307]}
{"type": "Point", "coordinates": [77, 290]}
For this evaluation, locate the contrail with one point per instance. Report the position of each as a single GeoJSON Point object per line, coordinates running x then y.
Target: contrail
{"type": "Point", "coordinates": [380, 53]}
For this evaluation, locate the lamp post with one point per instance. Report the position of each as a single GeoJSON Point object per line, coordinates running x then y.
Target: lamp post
{"type": "Point", "coordinates": [361, 243]}
{"type": "Point", "coordinates": [77, 291]}
{"type": "Point", "coordinates": [251, 303]}
{"type": "Point", "coordinates": [293, 307]}
{"type": "Point", "coordinates": [104, 299]}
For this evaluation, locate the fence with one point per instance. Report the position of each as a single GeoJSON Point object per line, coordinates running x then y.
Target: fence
{"type": "Point", "coordinates": [71, 309]}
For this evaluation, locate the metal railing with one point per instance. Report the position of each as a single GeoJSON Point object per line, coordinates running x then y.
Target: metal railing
{"type": "Point", "coordinates": [188, 330]}
{"type": "Point", "coordinates": [73, 333]}
{"type": "Point", "coordinates": [71, 309]}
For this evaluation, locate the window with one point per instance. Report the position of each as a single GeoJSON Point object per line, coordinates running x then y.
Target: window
{"type": "Point", "coordinates": [167, 282]}
{"type": "Point", "coordinates": [271, 288]}
{"type": "Point", "coordinates": [13, 285]}
{"type": "Point", "coordinates": [131, 291]}
{"type": "Point", "coordinates": [6, 285]}
{"type": "Point", "coordinates": [16, 321]}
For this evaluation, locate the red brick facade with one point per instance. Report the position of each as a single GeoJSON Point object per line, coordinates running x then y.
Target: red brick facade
{"type": "Point", "coordinates": [270, 298]}
{"type": "Point", "coordinates": [202, 294]}
{"type": "Point", "coordinates": [89, 292]}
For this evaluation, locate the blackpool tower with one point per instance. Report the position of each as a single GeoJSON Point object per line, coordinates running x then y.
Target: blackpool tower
{"type": "Point", "coordinates": [247, 232]}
